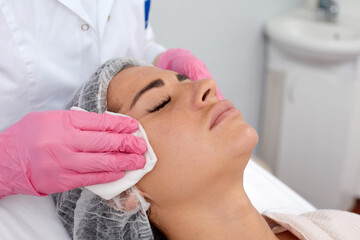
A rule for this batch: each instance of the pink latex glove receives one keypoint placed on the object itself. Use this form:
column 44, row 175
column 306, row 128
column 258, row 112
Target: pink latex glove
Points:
column 183, row 62
column 55, row 151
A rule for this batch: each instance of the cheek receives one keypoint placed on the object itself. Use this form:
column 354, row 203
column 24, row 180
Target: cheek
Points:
column 176, row 175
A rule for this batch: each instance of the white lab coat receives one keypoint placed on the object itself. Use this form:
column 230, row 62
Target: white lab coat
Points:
column 49, row 47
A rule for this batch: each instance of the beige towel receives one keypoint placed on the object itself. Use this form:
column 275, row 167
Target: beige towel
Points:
column 317, row 225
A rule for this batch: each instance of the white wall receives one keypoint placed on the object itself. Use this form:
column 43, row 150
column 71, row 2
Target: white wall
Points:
column 227, row 36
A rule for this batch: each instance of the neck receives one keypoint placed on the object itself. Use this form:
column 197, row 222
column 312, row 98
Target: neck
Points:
column 228, row 216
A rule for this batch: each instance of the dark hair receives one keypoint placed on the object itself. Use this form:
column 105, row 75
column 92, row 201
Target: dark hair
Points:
column 158, row 235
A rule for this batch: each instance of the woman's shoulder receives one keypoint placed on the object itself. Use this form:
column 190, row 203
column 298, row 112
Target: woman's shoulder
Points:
column 318, row 224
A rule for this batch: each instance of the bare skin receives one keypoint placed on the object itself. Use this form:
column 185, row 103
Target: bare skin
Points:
column 196, row 188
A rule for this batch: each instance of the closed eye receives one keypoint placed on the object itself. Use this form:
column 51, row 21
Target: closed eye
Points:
column 161, row 105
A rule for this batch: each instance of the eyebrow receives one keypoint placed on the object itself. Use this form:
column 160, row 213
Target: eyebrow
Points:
column 181, row 77
column 154, row 84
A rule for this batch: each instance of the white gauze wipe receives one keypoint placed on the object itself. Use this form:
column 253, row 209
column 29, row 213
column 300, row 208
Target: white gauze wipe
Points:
column 112, row 189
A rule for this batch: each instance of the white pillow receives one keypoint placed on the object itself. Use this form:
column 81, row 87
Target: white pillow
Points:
column 268, row 193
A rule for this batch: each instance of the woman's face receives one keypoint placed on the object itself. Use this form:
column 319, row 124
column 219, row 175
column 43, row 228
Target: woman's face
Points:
column 195, row 144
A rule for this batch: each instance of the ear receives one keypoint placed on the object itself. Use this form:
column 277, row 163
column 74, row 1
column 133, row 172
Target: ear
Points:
column 126, row 201
column 130, row 202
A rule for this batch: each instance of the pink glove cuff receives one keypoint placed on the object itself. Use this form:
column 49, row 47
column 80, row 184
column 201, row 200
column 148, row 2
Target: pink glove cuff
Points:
column 9, row 179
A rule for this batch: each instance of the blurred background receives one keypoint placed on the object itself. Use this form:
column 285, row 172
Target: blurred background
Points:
column 292, row 68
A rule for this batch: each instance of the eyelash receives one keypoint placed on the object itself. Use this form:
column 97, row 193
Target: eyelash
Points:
column 161, row 105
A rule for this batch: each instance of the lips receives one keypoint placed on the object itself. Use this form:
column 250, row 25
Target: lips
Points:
column 220, row 112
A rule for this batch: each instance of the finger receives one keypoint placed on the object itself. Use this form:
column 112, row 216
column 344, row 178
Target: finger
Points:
column 102, row 122
column 88, row 179
column 104, row 162
column 108, row 142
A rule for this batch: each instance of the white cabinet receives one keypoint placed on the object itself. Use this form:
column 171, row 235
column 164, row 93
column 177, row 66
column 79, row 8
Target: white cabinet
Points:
column 310, row 136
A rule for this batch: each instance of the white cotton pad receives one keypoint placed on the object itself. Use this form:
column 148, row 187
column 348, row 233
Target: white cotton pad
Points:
column 112, row 189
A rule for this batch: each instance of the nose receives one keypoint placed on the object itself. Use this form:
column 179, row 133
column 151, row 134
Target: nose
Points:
column 204, row 92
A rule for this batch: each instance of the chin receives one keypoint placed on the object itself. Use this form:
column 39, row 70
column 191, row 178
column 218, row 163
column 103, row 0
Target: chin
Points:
column 252, row 137
column 245, row 139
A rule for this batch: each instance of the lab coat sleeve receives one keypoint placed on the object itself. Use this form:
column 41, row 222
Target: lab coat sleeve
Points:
column 152, row 49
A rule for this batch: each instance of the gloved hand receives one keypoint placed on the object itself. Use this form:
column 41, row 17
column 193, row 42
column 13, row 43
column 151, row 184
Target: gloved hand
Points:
column 182, row 61
column 55, row 151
